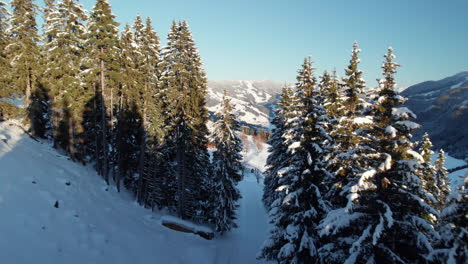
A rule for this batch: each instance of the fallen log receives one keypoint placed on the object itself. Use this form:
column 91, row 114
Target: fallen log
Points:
column 187, row 227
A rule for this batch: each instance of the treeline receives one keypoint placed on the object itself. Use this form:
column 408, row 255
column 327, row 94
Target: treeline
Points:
column 121, row 102
column 345, row 183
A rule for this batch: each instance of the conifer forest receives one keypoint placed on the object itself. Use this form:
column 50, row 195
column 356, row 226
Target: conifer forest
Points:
column 345, row 181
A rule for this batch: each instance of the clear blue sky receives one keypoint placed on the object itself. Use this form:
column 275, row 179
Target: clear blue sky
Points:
column 261, row 39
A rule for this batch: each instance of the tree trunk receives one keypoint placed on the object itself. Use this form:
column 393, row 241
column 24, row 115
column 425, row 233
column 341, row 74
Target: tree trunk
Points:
column 141, row 161
column 180, row 177
column 71, row 142
column 103, row 124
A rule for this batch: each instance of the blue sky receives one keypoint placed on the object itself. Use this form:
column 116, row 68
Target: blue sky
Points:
column 260, row 39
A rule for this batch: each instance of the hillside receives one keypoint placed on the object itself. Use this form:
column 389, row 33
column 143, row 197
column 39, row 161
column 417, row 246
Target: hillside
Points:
column 95, row 224
column 442, row 110
column 252, row 100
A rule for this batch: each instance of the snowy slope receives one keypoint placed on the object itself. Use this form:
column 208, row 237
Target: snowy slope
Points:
column 252, row 100
column 442, row 110
column 95, row 224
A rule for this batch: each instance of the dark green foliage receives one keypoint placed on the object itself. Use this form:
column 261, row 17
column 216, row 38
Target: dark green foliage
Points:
column 23, row 53
column 102, row 76
column 64, row 38
column 184, row 84
column 4, row 41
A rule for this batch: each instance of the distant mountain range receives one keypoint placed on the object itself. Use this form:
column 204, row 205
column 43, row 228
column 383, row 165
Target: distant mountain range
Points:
column 253, row 100
column 442, row 110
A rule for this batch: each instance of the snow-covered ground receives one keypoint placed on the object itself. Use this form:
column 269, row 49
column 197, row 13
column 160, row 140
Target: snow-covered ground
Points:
column 95, row 224
column 456, row 178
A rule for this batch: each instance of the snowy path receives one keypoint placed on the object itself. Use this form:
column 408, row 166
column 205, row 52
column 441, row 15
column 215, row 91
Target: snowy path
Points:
column 95, row 224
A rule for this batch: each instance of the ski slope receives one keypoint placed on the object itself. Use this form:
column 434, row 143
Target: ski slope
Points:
column 95, row 224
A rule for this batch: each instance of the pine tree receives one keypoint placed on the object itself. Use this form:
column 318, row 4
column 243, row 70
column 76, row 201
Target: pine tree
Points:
column 428, row 171
column 346, row 106
column 387, row 218
column 4, row 65
column 23, row 53
column 300, row 205
column 441, row 178
column 102, row 76
column 129, row 128
column 185, row 83
column 452, row 247
column 277, row 158
column 334, row 96
column 64, row 37
column 153, row 165
column 354, row 82
column 147, row 42
column 227, row 168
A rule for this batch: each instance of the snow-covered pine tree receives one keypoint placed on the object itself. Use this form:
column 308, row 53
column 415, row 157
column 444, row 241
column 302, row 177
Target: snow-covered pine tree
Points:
column 278, row 149
column 64, row 37
column 4, row 65
column 186, row 142
column 226, row 168
column 346, row 106
column 441, row 178
column 147, row 43
column 333, row 96
column 102, row 76
column 300, row 205
column 452, row 247
column 129, row 129
column 387, row 218
column 24, row 55
column 354, row 83
column 428, row 173
column 154, row 162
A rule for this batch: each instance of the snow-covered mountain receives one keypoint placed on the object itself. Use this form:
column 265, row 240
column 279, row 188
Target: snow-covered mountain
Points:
column 253, row 100
column 442, row 110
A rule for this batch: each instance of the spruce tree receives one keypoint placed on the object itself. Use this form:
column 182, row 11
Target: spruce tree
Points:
column 4, row 41
column 227, row 168
column 300, row 205
column 64, row 37
column 428, row 173
column 334, row 95
column 452, row 247
column 186, row 87
column 23, row 53
column 387, row 218
column 102, row 76
column 277, row 158
column 345, row 103
column 441, row 178
column 129, row 129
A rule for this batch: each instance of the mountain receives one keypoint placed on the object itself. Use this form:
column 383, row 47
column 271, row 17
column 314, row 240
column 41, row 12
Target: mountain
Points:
column 253, row 100
column 442, row 110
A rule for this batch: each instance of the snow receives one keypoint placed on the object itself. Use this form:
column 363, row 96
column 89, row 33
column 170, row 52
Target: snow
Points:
column 408, row 125
column 458, row 84
column 94, row 223
column 363, row 120
column 403, row 112
column 455, row 178
column 391, row 131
